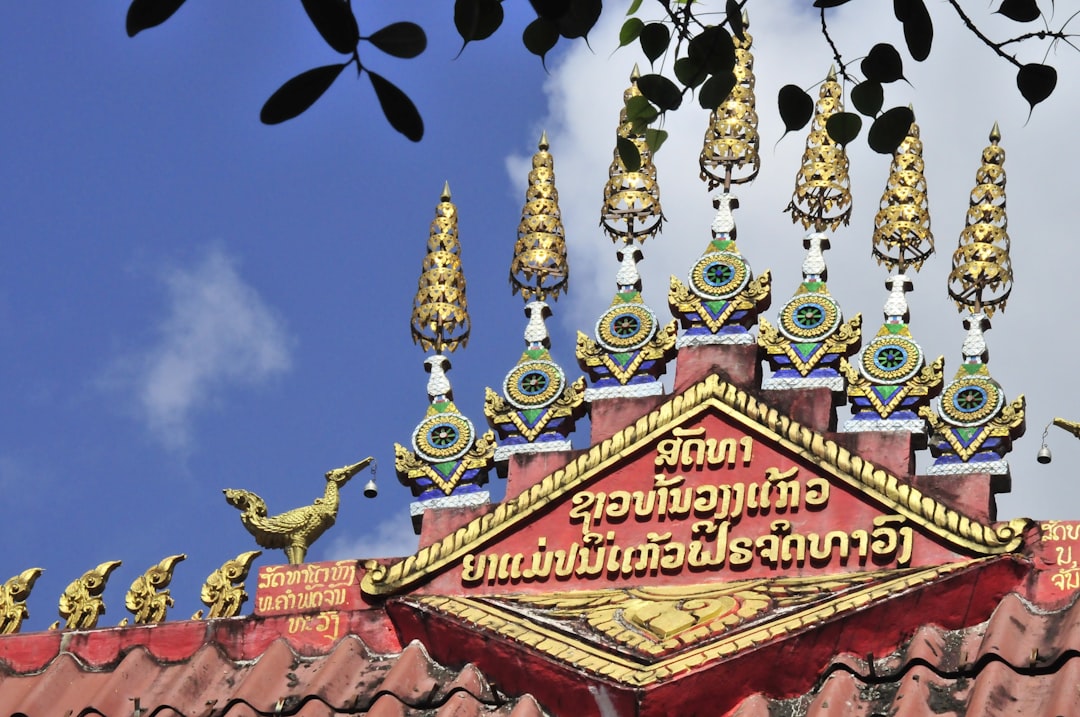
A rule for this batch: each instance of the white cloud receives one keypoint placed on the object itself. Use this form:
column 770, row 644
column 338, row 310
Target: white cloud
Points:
column 218, row 333
column 391, row 538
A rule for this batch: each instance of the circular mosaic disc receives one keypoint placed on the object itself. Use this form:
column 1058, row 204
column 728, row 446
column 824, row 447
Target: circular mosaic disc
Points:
column 809, row 317
column 891, row 359
column 443, row 437
column 719, row 275
column 970, row 401
column 625, row 327
column 534, row 384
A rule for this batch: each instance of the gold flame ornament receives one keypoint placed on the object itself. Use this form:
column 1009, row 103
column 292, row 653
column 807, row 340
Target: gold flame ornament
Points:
column 822, row 197
column 223, row 592
column 440, row 315
column 902, row 236
column 149, row 599
column 731, row 140
column 13, row 596
column 981, row 277
column 81, row 605
column 539, row 269
column 631, row 209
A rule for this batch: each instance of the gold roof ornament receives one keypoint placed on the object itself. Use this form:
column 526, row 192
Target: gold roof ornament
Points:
column 731, row 140
column 149, row 599
column 539, row 269
column 981, row 277
column 13, row 596
column 631, row 209
column 902, row 236
column 822, row 197
column 223, row 592
column 81, row 605
column 440, row 315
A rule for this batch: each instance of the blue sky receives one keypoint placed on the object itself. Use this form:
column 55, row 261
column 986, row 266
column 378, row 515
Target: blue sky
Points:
column 190, row 300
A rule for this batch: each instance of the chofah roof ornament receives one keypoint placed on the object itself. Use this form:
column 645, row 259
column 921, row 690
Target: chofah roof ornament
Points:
column 449, row 461
column 973, row 425
column 722, row 299
column 822, row 197
column 890, row 381
column 538, row 407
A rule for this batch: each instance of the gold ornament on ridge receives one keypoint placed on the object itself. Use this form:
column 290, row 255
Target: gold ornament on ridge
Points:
column 981, row 277
column 149, row 599
column 731, row 140
column 223, row 592
column 13, row 596
column 81, row 605
column 822, row 197
column 631, row 199
column 902, row 236
column 440, row 315
column 539, row 269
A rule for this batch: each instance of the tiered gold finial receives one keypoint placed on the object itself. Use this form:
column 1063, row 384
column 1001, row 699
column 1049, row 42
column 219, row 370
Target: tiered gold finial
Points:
column 440, row 316
column 822, row 197
column 902, row 236
column 149, row 599
column 13, row 595
column 981, row 277
column 539, row 269
column 81, row 605
column 631, row 199
column 223, row 592
column 731, row 140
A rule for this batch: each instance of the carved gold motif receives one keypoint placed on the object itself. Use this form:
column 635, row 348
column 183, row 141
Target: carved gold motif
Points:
column 926, row 382
column 223, row 592
column 149, row 599
column 13, row 595
column 902, row 236
column 440, row 315
column 479, row 455
column 844, row 341
column 539, row 269
column 81, row 604
column 683, row 301
column 296, row 530
column 708, row 396
column 1007, row 424
column 498, row 410
column 731, row 140
column 658, row 348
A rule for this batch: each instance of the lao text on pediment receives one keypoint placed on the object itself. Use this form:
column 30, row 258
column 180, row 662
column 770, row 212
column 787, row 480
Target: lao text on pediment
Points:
column 712, row 485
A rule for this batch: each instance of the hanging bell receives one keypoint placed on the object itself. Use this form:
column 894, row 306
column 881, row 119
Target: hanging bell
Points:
column 1043, row 456
column 371, row 490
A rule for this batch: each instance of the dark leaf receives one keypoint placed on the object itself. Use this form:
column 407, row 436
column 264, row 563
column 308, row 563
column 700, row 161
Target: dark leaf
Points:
column 918, row 29
column 843, row 127
column 867, row 97
column 401, row 39
column 335, row 22
column 299, row 93
column 628, row 153
column 889, row 130
column 477, row 19
column 883, row 64
column 400, row 111
column 654, row 40
column 901, row 9
column 550, row 9
column 634, row 6
column 796, row 107
column 734, row 19
column 144, row 14
column 639, row 109
column 829, row 3
column 715, row 90
column 540, row 36
column 713, row 49
column 630, row 31
column 689, row 72
column 580, row 18
column 1020, row 10
column 1036, row 82
column 655, row 138
column 661, row 91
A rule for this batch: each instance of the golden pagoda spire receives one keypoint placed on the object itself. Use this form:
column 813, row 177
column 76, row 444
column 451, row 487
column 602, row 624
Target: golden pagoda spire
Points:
column 731, row 140
column 902, row 236
column 631, row 199
column 822, row 197
column 539, row 269
column 440, row 315
column 981, row 277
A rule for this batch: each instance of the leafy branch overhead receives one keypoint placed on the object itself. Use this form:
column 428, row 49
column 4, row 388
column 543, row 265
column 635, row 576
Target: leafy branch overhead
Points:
column 700, row 44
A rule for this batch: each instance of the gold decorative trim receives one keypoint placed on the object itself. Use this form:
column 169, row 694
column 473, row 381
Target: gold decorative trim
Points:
column 711, row 393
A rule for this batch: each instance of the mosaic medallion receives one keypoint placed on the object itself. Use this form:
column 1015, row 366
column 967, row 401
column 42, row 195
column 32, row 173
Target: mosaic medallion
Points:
column 809, row 317
column 443, row 437
column 534, row 384
column 892, row 359
column 719, row 275
column 625, row 327
column 970, row 401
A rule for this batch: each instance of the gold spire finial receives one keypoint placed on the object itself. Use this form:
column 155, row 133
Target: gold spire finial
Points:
column 981, row 277
column 440, row 315
column 731, row 140
column 635, row 73
column 543, row 145
column 539, row 269
column 822, row 197
column 902, row 236
column 445, row 196
column 631, row 199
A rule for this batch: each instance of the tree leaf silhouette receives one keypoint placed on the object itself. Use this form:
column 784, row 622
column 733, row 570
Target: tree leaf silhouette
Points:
column 400, row 111
column 299, row 93
column 335, row 22
column 144, row 14
column 400, row 39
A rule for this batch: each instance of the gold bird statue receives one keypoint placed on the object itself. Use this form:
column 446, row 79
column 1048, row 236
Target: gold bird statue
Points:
column 296, row 530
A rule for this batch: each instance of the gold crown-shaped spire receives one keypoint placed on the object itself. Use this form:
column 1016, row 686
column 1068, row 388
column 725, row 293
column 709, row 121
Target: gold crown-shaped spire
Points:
column 902, row 236
column 440, row 315
column 539, row 269
column 822, row 197
column 631, row 199
column 981, row 277
column 731, row 140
